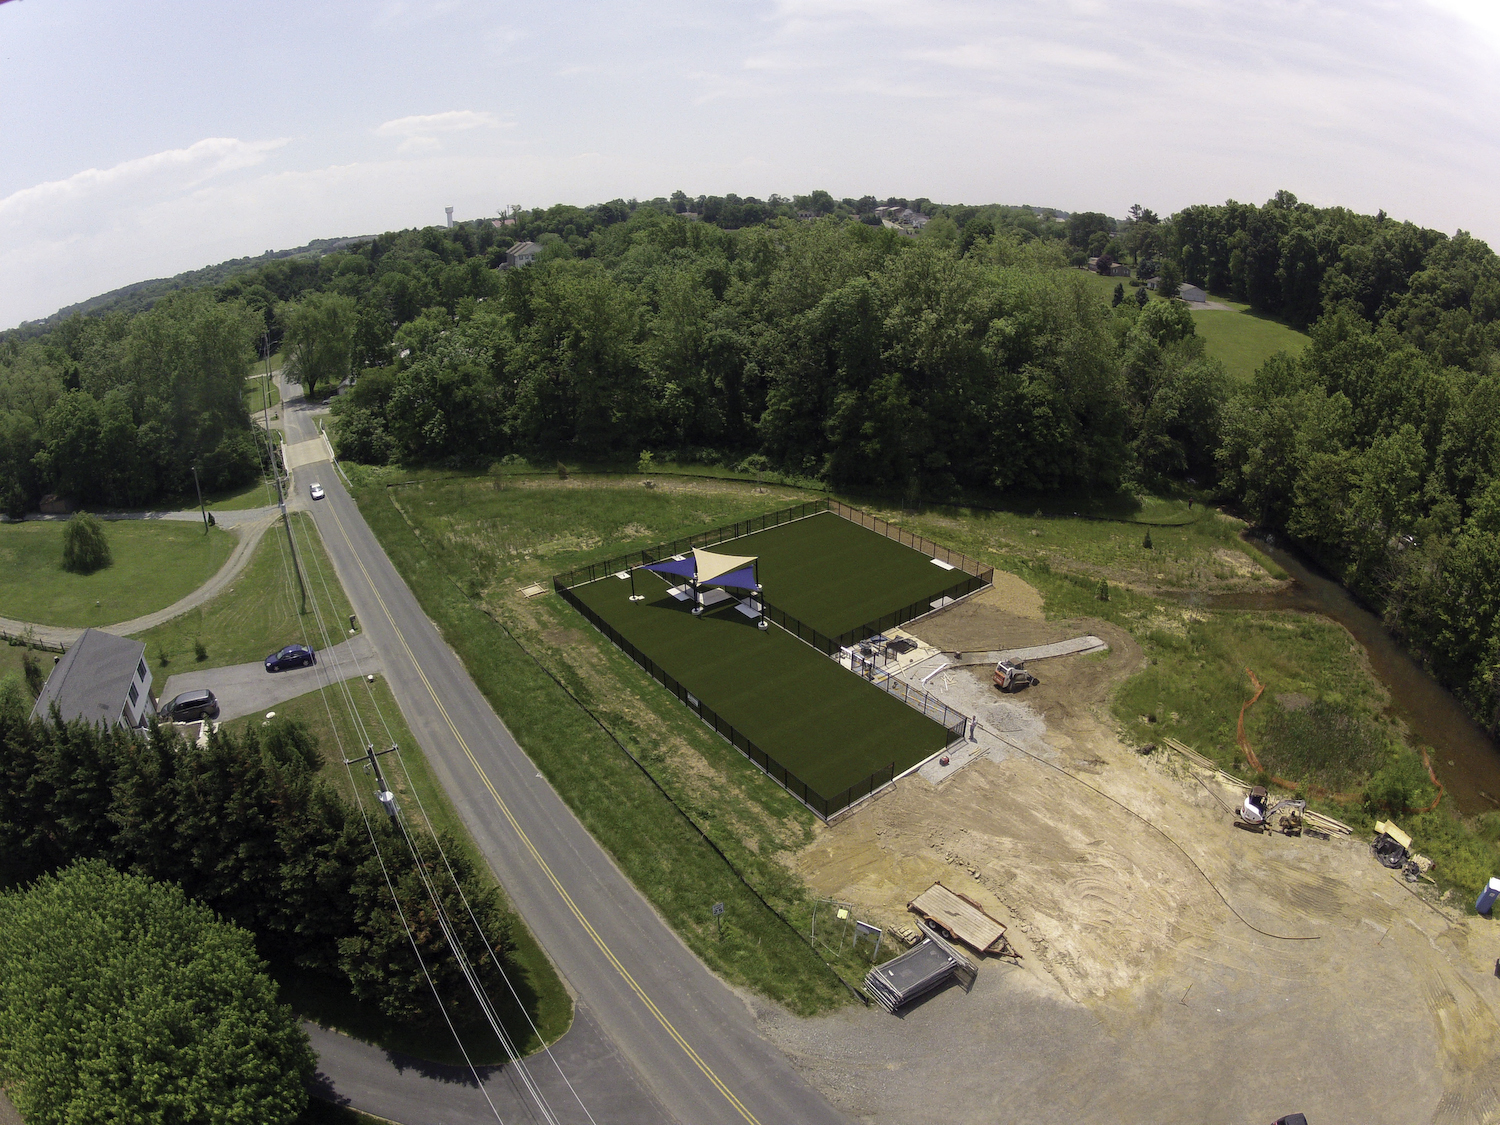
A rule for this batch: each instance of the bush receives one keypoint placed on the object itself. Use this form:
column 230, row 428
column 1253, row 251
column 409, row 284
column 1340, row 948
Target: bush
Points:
column 200, row 650
column 123, row 1000
column 1400, row 786
column 1146, row 542
column 85, row 548
column 236, row 460
column 1103, row 592
column 32, row 668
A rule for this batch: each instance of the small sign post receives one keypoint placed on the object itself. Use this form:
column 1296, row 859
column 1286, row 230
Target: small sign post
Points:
column 719, row 918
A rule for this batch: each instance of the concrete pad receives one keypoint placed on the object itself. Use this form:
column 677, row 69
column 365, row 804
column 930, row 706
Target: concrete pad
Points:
column 302, row 453
column 248, row 689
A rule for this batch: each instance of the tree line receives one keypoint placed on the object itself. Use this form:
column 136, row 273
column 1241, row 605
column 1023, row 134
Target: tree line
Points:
column 118, row 411
column 966, row 358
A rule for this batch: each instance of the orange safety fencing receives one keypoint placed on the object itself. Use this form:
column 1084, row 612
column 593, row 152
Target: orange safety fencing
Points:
column 1316, row 790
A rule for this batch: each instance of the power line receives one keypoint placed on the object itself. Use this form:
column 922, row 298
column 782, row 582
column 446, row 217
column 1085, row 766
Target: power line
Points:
column 445, row 922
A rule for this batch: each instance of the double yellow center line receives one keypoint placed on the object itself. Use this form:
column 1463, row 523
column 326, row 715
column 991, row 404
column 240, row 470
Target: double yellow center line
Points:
column 552, row 878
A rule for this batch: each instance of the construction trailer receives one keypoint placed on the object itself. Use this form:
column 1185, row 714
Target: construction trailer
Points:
column 959, row 917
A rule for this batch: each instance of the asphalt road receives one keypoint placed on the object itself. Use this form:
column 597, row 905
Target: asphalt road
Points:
column 662, row 1021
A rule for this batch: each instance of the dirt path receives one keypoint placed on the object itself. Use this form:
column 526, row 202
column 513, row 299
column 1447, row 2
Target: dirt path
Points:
column 249, row 532
column 1188, row 971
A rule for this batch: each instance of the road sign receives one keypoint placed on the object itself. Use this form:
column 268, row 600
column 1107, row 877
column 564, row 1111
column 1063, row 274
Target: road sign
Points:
column 718, row 909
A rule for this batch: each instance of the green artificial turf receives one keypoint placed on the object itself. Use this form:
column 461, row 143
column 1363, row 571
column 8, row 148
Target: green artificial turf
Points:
column 835, row 575
column 817, row 719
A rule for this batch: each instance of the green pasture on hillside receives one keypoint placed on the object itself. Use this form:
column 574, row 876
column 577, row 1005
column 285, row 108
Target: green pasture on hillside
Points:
column 1243, row 340
column 835, row 575
column 821, row 722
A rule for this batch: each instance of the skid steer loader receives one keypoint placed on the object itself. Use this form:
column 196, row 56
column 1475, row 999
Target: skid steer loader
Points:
column 1012, row 676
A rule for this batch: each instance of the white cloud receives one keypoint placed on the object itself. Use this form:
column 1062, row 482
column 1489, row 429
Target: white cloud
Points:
column 422, row 132
column 177, row 169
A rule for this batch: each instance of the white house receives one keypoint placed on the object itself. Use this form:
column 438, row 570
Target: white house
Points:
column 522, row 254
column 102, row 678
column 1192, row 293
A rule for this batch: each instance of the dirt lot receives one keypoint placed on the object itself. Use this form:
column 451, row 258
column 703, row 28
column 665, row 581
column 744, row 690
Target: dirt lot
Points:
column 1177, row 970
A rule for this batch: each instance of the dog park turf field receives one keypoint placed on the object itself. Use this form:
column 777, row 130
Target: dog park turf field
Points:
column 822, row 723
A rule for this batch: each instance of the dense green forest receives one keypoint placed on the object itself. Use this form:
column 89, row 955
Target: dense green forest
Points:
column 948, row 358
column 247, row 827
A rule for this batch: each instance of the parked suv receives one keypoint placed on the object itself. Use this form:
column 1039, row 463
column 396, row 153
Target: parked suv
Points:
column 190, row 705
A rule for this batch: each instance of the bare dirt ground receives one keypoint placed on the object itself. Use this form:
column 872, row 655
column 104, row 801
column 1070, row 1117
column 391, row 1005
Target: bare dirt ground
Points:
column 1186, row 972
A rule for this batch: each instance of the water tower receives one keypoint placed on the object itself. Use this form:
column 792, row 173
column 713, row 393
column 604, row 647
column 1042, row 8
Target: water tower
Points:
column 449, row 211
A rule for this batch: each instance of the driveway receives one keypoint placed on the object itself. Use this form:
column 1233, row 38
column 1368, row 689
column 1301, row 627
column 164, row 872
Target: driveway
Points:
column 248, row 689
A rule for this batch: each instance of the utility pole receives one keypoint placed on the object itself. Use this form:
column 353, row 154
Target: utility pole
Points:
column 386, row 798
column 199, row 490
column 286, row 520
column 265, row 400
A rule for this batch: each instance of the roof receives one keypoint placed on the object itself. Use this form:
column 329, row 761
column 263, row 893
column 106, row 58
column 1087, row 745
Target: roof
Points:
column 92, row 680
column 713, row 565
column 960, row 915
column 525, row 248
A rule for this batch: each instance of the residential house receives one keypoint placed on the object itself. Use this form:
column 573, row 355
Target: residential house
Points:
column 522, row 254
column 1192, row 293
column 1119, row 269
column 102, row 678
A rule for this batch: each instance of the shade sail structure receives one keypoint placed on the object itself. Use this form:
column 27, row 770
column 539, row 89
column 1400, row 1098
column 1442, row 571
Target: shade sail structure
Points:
column 708, row 568
column 711, row 565
column 686, row 567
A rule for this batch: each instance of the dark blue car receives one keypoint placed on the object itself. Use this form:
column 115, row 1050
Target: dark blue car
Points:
column 293, row 656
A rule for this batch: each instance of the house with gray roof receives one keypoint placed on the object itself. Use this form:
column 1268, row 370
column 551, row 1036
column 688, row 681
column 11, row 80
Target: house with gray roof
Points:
column 522, row 254
column 102, row 678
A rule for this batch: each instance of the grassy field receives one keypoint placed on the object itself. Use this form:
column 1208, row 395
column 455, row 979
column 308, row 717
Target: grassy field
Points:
column 823, row 724
column 255, row 394
column 259, row 613
column 156, row 562
column 1192, row 548
column 1243, row 340
column 259, row 493
column 466, row 547
column 1240, row 339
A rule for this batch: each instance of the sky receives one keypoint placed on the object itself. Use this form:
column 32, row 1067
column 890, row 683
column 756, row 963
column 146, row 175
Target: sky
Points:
column 141, row 140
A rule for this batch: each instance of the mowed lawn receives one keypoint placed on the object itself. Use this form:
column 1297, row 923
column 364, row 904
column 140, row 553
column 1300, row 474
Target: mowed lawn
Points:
column 820, row 721
column 261, row 611
column 155, row 562
column 1243, row 341
column 835, row 575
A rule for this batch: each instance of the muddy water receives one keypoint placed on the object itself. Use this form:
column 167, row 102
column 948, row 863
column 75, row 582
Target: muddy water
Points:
column 1465, row 758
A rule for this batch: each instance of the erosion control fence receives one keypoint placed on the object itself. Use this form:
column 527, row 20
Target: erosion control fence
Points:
column 823, row 806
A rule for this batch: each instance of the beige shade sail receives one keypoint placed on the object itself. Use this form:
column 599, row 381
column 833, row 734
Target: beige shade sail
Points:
column 711, row 565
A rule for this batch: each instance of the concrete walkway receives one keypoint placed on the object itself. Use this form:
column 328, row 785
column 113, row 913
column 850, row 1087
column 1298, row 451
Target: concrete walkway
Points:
column 248, row 689
column 249, row 532
column 1071, row 647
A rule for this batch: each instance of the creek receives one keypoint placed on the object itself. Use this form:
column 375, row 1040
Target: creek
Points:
column 1464, row 757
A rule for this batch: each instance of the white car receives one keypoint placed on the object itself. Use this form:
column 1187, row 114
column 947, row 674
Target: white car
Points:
column 316, row 490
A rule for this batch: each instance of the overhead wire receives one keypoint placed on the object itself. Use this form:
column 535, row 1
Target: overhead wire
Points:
column 364, row 815
column 467, row 969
